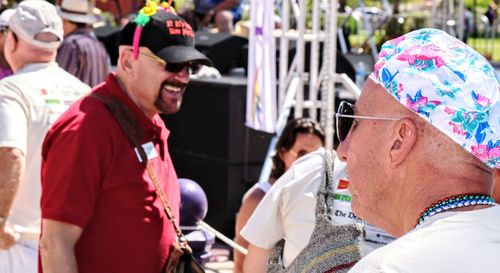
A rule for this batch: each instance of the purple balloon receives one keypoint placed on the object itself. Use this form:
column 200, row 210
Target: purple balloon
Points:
column 194, row 204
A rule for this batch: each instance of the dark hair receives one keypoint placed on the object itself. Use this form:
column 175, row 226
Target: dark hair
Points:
column 80, row 25
column 288, row 137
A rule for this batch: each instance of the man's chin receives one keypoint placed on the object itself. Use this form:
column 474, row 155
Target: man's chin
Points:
column 167, row 103
column 169, row 108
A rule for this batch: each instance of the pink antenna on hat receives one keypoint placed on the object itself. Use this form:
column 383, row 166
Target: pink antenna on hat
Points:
column 143, row 18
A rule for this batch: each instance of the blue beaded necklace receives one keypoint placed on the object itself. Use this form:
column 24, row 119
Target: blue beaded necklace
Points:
column 456, row 201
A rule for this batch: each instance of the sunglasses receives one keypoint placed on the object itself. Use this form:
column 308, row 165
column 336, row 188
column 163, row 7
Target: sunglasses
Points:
column 4, row 30
column 345, row 119
column 192, row 67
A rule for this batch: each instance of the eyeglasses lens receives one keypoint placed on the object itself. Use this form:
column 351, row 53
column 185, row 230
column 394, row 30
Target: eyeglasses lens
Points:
column 193, row 68
column 4, row 30
column 344, row 124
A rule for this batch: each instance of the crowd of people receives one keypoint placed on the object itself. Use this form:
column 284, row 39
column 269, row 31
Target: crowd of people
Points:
column 80, row 53
column 220, row 14
column 91, row 184
column 85, row 169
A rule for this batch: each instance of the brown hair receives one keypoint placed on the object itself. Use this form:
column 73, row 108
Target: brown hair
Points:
column 288, row 137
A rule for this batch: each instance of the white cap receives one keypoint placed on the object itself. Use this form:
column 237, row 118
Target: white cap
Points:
column 33, row 17
column 5, row 17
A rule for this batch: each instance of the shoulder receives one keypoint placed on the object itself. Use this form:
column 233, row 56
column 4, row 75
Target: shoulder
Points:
column 88, row 115
column 313, row 159
column 79, row 43
column 391, row 258
column 49, row 75
column 14, row 80
column 26, row 85
column 68, row 45
column 304, row 170
column 249, row 204
column 374, row 264
column 86, row 124
column 253, row 198
column 65, row 77
column 81, row 40
column 10, row 84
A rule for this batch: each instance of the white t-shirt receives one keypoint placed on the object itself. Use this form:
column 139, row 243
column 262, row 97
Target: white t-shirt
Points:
column 288, row 209
column 30, row 101
column 459, row 242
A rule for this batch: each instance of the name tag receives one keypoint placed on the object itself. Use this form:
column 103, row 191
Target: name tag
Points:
column 149, row 149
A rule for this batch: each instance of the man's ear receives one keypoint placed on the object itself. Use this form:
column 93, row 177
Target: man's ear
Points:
column 405, row 137
column 126, row 58
column 10, row 42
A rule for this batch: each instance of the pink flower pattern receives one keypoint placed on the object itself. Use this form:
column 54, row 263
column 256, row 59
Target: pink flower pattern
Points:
column 429, row 71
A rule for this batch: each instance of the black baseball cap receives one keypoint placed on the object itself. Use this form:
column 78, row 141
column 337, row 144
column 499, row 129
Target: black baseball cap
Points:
column 168, row 36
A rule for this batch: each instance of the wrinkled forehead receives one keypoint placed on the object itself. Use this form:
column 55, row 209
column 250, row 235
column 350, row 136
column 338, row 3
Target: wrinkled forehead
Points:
column 375, row 99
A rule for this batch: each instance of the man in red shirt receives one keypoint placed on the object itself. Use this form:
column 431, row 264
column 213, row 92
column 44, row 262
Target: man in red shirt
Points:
column 99, row 207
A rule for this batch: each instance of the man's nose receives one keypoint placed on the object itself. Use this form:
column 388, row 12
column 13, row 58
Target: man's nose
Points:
column 184, row 74
column 342, row 150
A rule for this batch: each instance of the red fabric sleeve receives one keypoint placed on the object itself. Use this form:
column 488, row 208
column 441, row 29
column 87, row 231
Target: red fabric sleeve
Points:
column 73, row 165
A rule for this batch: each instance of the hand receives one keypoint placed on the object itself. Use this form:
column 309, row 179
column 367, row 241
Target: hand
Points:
column 8, row 237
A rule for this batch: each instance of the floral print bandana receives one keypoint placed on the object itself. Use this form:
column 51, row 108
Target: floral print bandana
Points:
column 448, row 84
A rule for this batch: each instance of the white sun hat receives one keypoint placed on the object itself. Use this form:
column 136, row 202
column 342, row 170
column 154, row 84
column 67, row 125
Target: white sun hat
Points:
column 78, row 11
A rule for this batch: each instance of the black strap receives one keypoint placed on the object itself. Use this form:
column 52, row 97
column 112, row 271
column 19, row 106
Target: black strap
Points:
column 131, row 129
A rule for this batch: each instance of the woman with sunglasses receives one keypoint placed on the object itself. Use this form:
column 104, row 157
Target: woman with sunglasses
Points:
column 300, row 136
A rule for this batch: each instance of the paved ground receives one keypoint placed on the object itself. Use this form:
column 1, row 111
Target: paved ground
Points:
column 220, row 261
column 219, row 267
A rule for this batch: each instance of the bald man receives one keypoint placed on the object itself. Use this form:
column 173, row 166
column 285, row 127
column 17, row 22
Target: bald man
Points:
column 420, row 145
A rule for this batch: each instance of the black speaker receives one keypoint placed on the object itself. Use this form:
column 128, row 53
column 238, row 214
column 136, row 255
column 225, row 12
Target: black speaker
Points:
column 210, row 144
column 343, row 65
column 223, row 49
column 224, row 184
column 107, row 36
column 211, row 122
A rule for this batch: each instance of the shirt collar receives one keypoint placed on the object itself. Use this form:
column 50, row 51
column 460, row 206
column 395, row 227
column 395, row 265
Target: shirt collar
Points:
column 36, row 66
